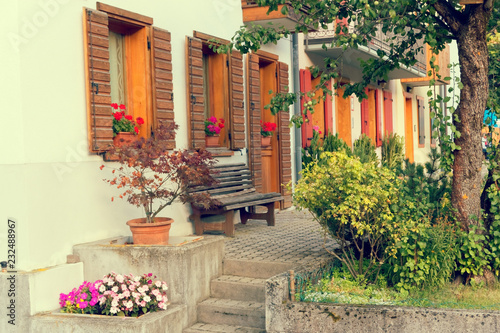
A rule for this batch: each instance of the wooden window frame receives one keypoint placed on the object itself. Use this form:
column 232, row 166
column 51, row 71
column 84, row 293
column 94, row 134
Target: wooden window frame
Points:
column 155, row 73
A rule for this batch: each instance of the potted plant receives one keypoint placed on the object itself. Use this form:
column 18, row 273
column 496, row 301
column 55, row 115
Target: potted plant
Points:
column 266, row 130
column 153, row 178
column 212, row 131
column 125, row 129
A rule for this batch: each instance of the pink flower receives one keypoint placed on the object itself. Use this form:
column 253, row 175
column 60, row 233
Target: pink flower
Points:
column 213, row 120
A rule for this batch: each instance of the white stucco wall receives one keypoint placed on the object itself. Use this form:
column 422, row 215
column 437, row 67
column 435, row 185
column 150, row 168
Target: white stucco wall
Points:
column 50, row 184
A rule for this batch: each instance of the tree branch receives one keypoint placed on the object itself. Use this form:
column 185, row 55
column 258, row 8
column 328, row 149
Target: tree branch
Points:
column 451, row 16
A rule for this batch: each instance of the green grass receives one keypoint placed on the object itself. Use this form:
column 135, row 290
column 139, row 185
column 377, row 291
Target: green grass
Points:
column 342, row 290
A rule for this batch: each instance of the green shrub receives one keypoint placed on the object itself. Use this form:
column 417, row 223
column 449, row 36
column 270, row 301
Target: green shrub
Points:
column 351, row 202
column 330, row 143
column 393, row 151
column 365, row 150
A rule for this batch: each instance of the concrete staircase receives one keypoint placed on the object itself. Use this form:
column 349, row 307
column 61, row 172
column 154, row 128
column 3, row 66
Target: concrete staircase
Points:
column 237, row 302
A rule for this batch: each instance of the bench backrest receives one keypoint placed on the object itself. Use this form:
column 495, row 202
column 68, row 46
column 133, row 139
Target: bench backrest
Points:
column 231, row 179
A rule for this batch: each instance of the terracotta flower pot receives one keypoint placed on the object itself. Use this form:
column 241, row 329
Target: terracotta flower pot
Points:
column 212, row 141
column 155, row 233
column 124, row 138
column 266, row 141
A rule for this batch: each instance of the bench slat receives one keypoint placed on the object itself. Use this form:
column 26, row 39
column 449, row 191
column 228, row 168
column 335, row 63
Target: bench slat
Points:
column 232, row 199
column 254, row 203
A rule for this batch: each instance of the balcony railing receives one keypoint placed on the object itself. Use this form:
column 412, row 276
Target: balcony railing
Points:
column 381, row 41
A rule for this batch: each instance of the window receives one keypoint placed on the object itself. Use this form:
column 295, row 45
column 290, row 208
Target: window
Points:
column 215, row 88
column 421, row 122
column 128, row 61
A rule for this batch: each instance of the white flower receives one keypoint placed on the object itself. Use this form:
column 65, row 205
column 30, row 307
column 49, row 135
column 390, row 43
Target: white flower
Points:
column 137, row 278
column 159, row 297
column 158, row 284
column 129, row 304
column 164, row 287
column 120, row 296
column 147, row 298
column 115, row 289
column 102, row 288
column 110, row 282
column 113, row 310
column 114, row 302
column 119, row 278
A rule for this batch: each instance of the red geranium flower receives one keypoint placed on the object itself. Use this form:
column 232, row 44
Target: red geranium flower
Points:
column 139, row 121
column 136, row 130
column 114, row 106
column 122, row 107
column 118, row 115
column 129, row 117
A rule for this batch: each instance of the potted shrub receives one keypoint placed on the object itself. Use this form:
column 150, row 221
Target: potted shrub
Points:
column 212, row 131
column 266, row 130
column 153, row 178
column 125, row 128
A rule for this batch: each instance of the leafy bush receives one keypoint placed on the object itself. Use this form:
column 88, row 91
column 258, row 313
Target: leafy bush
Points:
column 351, row 202
column 365, row 150
column 330, row 143
column 393, row 151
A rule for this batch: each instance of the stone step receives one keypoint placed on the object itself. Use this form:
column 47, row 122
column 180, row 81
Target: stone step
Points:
column 212, row 328
column 255, row 269
column 230, row 312
column 238, row 288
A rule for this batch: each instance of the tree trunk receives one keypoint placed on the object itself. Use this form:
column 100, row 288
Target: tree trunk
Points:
column 473, row 56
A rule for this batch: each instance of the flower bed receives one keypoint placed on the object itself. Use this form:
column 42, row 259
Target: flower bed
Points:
column 117, row 295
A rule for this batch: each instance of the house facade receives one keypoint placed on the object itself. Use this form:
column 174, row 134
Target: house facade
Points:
column 65, row 62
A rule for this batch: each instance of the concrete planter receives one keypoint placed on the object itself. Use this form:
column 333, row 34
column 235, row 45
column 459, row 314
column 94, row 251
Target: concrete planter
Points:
column 282, row 315
column 168, row 321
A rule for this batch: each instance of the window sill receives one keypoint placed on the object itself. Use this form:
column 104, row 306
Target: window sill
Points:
column 421, row 146
column 220, row 152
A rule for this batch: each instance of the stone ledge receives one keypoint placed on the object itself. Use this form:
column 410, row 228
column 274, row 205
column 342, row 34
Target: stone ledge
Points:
column 168, row 321
column 282, row 315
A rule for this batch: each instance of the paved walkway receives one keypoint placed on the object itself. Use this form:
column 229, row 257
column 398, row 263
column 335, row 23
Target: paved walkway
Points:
column 296, row 238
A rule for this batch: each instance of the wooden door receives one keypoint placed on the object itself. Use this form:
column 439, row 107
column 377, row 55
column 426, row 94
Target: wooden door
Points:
column 343, row 116
column 409, row 130
column 372, row 116
column 270, row 155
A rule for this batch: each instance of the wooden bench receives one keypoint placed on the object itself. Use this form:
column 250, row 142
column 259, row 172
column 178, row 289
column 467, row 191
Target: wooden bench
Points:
column 233, row 191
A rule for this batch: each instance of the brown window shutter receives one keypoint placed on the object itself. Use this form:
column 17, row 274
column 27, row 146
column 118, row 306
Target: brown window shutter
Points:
column 195, row 100
column 284, row 138
column 163, row 102
column 254, row 116
column 236, row 101
column 98, row 88
column 421, row 123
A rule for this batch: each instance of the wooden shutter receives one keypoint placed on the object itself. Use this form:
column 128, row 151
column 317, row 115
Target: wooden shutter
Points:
column 97, row 80
column 284, row 138
column 236, row 101
column 328, row 110
column 254, row 116
column 195, row 99
column 365, row 121
column 306, row 86
column 378, row 119
column 388, row 127
column 163, row 102
column 421, row 123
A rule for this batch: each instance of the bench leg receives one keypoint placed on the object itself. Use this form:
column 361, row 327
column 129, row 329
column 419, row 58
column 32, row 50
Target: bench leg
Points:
column 198, row 224
column 229, row 224
column 244, row 215
column 270, row 214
